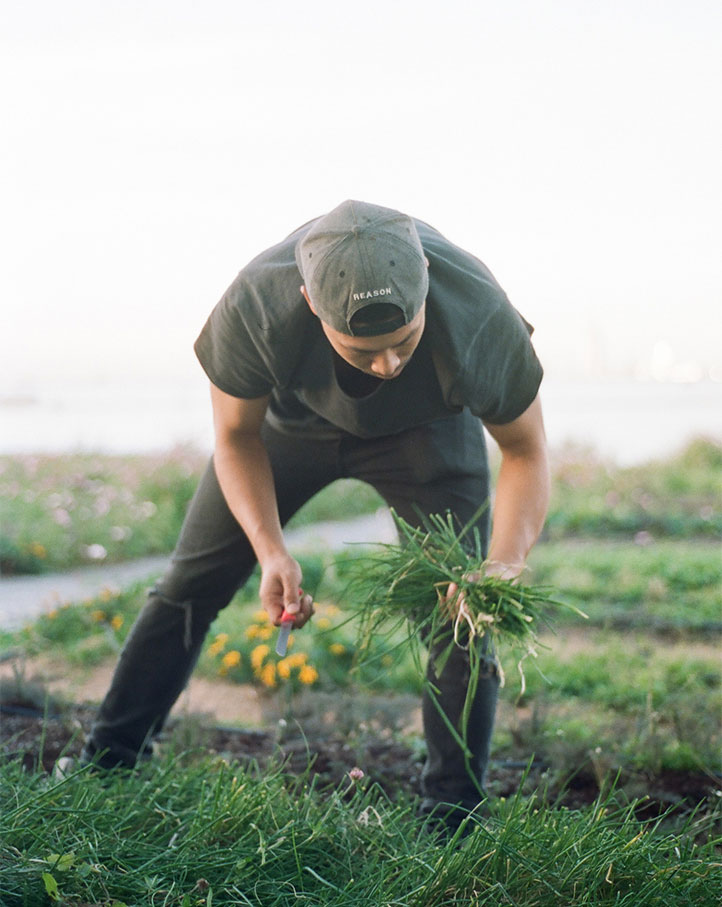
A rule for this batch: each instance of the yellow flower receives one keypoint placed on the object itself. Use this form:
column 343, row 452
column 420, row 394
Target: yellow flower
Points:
column 323, row 623
column 232, row 659
column 337, row 648
column 98, row 616
column 284, row 669
column 117, row 622
column 38, row 550
column 268, row 675
column 215, row 648
column 106, row 594
column 308, row 675
column 252, row 631
column 52, row 614
column 297, row 660
column 264, row 632
column 260, row 616
column 222, row 638
column 257, row 656
column 332, row 610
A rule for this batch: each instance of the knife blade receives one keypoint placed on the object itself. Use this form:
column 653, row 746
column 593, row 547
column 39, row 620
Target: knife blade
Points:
column 285, row 631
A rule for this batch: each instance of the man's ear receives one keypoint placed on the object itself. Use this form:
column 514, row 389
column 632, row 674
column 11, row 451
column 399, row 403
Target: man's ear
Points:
column 305, row 296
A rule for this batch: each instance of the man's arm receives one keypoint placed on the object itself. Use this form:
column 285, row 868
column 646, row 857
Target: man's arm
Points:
column 522, row 491
column 244, row 474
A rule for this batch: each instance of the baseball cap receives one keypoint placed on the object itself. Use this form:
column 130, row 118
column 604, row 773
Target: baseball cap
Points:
column 359, row 255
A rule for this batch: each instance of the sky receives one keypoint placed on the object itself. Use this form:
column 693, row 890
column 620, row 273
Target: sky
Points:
column 150, row 149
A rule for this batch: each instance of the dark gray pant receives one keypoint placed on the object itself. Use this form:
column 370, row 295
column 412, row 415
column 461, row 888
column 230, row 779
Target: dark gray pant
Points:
column 437, row 467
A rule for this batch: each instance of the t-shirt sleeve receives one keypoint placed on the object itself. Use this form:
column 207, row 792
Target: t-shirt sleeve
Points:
column 502, row 374
column 228, row 350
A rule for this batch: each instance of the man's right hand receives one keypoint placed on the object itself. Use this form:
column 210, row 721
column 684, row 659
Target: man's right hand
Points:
column 281, row 591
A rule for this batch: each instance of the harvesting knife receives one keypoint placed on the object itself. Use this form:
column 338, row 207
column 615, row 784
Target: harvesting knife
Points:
column 285, row 631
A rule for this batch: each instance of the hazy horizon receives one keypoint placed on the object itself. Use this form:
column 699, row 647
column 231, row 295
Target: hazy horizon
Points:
column 153, row 149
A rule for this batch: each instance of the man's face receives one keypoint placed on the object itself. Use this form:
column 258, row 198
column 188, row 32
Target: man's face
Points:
column 383, row 356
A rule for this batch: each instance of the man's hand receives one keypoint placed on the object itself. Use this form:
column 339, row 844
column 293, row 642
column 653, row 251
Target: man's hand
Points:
column 281, row 590
column 453, row 601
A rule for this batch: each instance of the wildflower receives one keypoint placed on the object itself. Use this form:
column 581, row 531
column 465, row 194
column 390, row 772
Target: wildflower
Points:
column 107, row 593
column 258, row 655
column 62, row 517
column 52, row 614
column 252, row 631
column 284, row 669
column 264, row 632
column 117, row 622
column 332, row 610
column 222, row 638
column 120, row 533
column 260, row 616
column 95, row 552
column 38, row 550
column 268, row 675
column 356, row 773
column 98, row 616
column 297, row 660
column 232, row 659
column 308, row 675
column 215, row 648
column 337, row 648
column 323, row 623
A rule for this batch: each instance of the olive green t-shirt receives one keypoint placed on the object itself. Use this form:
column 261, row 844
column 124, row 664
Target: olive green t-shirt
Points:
column 475, row 352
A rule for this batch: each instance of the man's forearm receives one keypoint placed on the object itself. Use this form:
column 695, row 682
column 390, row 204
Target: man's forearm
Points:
column 244, row 474
column 520, row 506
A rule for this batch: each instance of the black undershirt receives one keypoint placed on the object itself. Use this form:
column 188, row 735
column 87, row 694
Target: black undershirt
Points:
column 352, row 381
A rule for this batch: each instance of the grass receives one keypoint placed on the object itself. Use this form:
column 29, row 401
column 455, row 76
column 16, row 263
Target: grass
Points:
column 672, row 585
column 63, row 511
column 192, row 830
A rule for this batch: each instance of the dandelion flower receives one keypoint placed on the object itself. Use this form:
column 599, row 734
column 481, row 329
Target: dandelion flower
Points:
column 258, row 655
column 308, row 675
column 232, row 659
column 98, row 616
column 260, row 616
column 52, row 614
column 252, row 631
column 323, row 623
column 222, row 638
column 215, row 648
column 284, row 669
column 117, row 622
column 297, row 660
column 268, row 675
column 264, row 632
column 337, row 648
column 38, row 550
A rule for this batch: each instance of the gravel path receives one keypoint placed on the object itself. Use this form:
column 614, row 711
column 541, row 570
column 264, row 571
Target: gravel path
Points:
column 24, row 597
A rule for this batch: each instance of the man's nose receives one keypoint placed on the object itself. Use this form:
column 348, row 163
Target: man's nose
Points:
column 384, row 364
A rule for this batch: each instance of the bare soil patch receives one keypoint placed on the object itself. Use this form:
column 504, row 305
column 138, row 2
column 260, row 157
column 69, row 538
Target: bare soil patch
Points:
column 324, row 734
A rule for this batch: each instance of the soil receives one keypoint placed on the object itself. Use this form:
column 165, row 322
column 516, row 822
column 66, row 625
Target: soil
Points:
column 328, row 735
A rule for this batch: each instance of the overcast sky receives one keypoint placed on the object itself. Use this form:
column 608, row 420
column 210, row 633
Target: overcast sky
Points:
column 150, row 149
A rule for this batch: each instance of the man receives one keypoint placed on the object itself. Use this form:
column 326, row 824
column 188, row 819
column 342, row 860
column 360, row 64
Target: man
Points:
column 363, row 345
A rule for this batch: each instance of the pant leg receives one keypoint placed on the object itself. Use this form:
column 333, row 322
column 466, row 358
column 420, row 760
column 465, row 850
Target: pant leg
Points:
column 433, row 469
column 212, row 559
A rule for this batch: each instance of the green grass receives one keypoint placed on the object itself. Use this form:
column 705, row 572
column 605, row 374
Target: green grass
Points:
column 670, row 584
column 192, row 831
column 676, row 497
column 62, row 511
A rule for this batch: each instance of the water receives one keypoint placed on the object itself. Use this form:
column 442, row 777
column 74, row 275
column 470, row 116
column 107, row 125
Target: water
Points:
column 626, row 421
